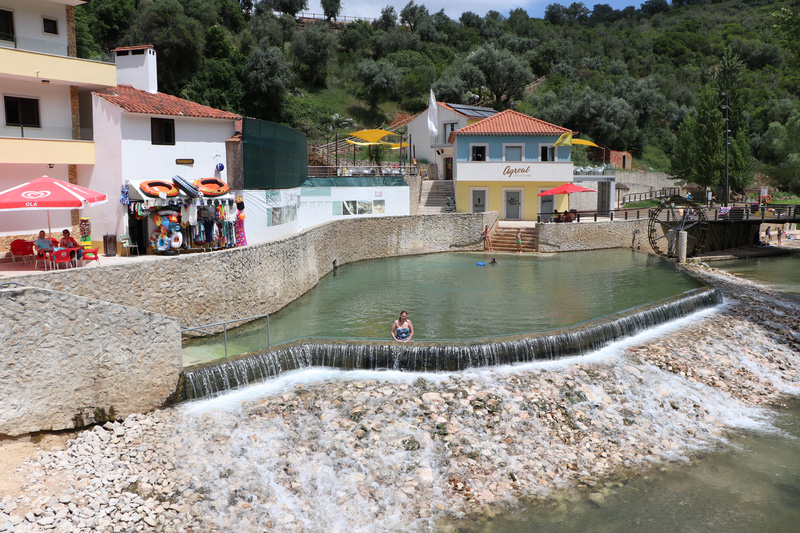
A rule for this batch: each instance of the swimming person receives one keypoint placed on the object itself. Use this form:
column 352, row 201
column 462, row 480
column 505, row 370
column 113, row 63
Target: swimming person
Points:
column 402, row 328
column 493, row 262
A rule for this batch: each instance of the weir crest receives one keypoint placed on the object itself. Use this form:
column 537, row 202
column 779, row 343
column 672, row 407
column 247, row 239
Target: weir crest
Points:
column 223, row 375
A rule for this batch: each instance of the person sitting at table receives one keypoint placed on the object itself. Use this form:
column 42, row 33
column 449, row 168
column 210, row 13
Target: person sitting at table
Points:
column 69, row 242
column 42, row 245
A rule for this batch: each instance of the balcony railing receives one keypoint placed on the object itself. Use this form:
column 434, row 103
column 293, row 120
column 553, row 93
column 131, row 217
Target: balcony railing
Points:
column 361, row 171
column 30, row 44
column 597, row 170
column 56, row 133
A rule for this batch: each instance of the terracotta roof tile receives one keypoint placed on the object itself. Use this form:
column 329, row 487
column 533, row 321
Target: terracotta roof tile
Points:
column 137, row 47
column 510, row 122
column 136, row 101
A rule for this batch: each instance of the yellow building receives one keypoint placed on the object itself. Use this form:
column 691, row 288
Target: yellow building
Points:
column 503, row 162
column 44, row 128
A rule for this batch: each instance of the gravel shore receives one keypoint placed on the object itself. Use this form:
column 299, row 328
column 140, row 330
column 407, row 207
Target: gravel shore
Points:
column 331, row 451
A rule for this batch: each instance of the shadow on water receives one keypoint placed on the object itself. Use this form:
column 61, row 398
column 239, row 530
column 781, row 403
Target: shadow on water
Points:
column 753, row 484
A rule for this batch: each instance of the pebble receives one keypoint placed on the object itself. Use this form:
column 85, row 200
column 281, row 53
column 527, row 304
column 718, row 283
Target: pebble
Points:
column 373, row 452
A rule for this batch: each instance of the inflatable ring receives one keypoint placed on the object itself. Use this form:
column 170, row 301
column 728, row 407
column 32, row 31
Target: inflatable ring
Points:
column 177, row 239
column 481, row 264
column 211, row 186
column 155, row 188
column 767, row 199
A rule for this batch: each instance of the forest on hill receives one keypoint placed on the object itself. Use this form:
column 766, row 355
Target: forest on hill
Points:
column 653, row 80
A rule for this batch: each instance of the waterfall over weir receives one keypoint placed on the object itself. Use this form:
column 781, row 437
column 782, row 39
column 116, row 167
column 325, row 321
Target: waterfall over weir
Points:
column 223, row 375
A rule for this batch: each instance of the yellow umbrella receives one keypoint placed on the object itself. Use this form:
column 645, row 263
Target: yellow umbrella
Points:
column 371, row 136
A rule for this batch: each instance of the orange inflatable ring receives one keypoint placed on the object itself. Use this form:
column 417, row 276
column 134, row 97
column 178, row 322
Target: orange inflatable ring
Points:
column 154, row 188
column 211, row 186
column 767, row 199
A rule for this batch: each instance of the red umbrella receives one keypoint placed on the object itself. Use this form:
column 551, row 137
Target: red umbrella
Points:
column 48, row 193
column 567, row 188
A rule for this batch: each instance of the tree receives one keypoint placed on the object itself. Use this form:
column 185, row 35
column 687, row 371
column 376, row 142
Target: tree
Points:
column 107, row 20
column 506, row 74
column 290, row 7
column 782, row 152
column 269, row 76
column 413, row 15
column 331, row 8
column 387, row 20
column 653, row 7
column 380, row 80
column 176, row 37
column 312, row 50
column 699, row 153
column 355, row 38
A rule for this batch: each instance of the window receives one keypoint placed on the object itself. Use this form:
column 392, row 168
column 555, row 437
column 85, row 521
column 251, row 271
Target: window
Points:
column 50, row 26
column 513, row 153
column 22, row 112
column 547, row 153
column 449, row 127
column 6, row 25
column 478, row 153
column 162, row 130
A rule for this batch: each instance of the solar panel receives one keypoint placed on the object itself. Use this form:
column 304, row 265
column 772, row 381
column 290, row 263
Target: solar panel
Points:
column 473, row 111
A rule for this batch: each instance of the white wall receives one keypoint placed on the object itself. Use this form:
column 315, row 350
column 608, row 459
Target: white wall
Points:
column 28, row 25
column 513, row 171
column 138, row 70
column 421, row 139
column 123, row 152
column 106, row 176
column 54, row 109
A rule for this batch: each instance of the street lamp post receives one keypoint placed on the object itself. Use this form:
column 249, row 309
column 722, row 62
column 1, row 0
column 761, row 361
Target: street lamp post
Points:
column 727, row 143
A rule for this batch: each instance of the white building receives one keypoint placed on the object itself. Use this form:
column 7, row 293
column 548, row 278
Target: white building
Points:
column 142, row 134
column 43, row 130
column 438, row 149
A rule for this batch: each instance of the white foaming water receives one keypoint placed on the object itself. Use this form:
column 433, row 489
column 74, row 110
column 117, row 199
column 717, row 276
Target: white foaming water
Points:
column 281, row 455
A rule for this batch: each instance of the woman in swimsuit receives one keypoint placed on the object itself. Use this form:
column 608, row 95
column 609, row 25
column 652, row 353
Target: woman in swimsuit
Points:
column 519, row 241
column 487, row 240
column 402, row 328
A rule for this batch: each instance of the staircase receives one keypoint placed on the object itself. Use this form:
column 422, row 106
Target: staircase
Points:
column 505, row 239
column 435, row 194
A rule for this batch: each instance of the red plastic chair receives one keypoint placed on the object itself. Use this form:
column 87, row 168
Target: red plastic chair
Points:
column 21, row 248
column 60, row 257
column 91, row 255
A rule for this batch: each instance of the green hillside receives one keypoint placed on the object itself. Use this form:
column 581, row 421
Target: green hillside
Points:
column 646, row 80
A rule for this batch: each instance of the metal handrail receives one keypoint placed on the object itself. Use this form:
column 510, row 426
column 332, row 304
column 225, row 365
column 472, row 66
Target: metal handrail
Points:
column 225, row 329
column 8, row 284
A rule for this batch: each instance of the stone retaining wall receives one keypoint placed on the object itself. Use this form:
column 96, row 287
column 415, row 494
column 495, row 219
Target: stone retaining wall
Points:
column 68, row 361
column 228, row 284
column 594, row 236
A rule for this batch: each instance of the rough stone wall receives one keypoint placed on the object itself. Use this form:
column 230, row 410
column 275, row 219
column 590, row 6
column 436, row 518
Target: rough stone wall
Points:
column 69, row 360
column 229, row 284
column 595, row 236
column 645, row 181
column 632, row 234
column 414, row 192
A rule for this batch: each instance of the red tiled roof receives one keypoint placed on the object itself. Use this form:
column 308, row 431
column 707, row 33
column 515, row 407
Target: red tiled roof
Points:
column 137, row 47
column 136, row 101
column 510, row 122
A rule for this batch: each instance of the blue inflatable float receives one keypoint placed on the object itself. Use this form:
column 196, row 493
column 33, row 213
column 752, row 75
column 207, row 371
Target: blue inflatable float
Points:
column 481, row 264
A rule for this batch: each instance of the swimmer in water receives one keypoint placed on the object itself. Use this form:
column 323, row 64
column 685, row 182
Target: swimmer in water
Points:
column 402, row 328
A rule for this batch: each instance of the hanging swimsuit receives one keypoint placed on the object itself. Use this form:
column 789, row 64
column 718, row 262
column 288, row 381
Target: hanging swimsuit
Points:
column 402, row 333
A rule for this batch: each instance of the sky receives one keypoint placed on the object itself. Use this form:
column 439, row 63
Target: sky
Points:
column 454, row 9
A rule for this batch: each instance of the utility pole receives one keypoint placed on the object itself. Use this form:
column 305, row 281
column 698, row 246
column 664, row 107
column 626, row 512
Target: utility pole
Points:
column 727, row 143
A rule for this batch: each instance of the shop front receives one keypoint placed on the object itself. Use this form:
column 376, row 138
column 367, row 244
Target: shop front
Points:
column 168, row 217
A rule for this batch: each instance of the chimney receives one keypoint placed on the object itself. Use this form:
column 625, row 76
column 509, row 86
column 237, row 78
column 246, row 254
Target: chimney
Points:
column 136, row 66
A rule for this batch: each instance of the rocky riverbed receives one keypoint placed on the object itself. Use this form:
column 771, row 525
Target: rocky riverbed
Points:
column 334, row 451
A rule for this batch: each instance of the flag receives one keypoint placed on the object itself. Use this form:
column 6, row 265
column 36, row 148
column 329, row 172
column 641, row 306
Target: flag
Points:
column 564, row 140
column 433, row 116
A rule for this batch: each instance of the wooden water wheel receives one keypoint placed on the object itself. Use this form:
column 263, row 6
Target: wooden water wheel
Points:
column 676, row 214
